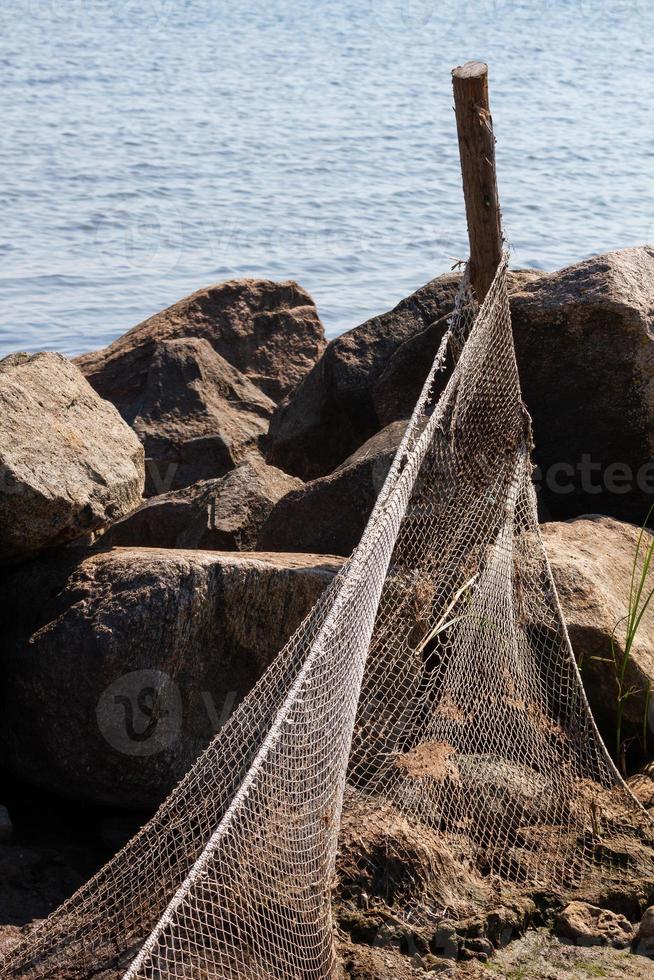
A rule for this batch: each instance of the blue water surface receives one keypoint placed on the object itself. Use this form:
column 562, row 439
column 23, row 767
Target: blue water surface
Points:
column 151, row 147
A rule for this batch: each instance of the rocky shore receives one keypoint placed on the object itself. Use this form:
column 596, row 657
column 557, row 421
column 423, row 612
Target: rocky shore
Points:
column 172, row 506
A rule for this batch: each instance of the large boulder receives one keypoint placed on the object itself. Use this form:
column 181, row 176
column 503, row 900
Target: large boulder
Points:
column 592, row 560
column 118, row 669
column 270, row 331
column 68, row 463
column 585, row 346
column 366, row 378
column 329, row 514
column 198, row 416
column 332, row 412
column 224, row 514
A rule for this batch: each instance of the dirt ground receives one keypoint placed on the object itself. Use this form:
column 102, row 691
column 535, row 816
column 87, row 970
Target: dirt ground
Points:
column 48, row 860
column 540, row 956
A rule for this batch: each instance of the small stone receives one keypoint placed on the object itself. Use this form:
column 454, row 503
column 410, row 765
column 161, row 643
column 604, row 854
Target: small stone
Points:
column 465, row 954
column 480, row 947
column 442, row 970
column 588, row 925
column 6, row 826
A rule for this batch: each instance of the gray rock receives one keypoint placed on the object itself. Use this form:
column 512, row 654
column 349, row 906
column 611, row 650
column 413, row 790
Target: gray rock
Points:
column 68, row 462
column 588, row 925
column 328, row 515
column 198, row 416
column 224, row 514
column 270, row 331
column 118, row 669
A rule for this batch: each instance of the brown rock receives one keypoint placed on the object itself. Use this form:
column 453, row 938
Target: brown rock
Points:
column 225, row 514
column 585, row 349
column 269, row 331
column 591, row 560
column 384, row 859
column 366, row 378
column 398, row 387
column 332, row 412
column 645, row 934
column 502, row 792
column 646, row 927
column 117, row 670
column 588, row 925
column 362, row 962
column 198, row 416
column 386, row 440
column 68, row 462
column 328, row 515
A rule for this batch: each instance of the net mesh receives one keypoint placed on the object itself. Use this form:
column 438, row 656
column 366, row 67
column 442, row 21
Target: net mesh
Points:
column 423, row 741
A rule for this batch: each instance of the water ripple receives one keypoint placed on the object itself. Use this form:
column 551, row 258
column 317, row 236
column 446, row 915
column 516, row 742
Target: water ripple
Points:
column 151, row 147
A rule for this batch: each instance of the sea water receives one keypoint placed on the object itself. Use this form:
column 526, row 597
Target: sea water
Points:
column 152, row 147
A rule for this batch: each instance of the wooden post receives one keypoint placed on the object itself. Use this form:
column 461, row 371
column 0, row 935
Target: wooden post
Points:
column 477, row 152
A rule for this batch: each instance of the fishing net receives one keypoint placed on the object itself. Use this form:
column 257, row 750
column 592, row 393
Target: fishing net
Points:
column 422, row 743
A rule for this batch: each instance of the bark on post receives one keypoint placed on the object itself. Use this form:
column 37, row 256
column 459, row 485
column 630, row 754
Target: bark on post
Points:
column 477, row 152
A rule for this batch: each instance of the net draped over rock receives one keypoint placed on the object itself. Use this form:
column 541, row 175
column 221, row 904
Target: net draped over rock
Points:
column 432, row 689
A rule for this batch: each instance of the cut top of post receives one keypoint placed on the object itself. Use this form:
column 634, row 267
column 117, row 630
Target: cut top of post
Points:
column 477, row 152
column 471, row 69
